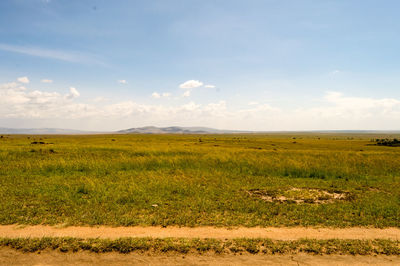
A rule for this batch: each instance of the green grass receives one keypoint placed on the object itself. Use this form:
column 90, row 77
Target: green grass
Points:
column 115, row 180
column 200, row 246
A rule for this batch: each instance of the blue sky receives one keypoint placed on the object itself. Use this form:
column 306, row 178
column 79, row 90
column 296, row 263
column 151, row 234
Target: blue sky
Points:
column 256, row 65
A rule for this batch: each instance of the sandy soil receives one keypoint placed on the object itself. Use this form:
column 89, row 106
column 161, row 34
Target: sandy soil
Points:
column 13, row 231
column 12, row 257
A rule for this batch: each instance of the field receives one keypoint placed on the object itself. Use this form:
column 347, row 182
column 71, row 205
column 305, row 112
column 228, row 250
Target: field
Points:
column 248, row 180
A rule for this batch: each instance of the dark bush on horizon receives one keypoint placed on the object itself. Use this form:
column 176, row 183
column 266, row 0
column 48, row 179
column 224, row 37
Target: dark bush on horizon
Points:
column 387, row 142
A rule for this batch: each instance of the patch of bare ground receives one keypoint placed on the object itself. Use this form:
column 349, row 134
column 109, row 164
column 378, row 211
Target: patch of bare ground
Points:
column 300, row 195
column 11, row 257
column 275, row 233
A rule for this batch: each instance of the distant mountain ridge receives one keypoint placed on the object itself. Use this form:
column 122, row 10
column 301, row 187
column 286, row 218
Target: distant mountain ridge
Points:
column 138, row 130
column 178, row 130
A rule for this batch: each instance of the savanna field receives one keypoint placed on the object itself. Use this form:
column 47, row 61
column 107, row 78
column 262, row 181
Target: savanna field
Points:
column 249, row 180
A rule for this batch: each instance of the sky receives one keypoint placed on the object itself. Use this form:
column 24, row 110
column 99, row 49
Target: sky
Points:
column 265, row 65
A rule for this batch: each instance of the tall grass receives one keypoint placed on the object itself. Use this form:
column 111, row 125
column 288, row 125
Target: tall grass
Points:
column 180, row 180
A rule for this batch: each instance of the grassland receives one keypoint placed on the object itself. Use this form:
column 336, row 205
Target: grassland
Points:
column 200, row 246
column 193, row 180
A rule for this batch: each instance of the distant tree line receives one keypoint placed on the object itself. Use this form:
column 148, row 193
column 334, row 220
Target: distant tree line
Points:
column 387, row 142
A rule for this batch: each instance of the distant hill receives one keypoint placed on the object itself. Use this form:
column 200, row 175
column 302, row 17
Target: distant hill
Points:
column 178, row 130
column 40, row 131
column 139, row 130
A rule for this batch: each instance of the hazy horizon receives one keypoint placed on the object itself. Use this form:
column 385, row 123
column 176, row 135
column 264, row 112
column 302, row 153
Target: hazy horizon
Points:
column 232, row 65
column 191, row 130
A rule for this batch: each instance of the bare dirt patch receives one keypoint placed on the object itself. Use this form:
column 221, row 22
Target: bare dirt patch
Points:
column 276, row 233
column 12, row 257
column 300, row 195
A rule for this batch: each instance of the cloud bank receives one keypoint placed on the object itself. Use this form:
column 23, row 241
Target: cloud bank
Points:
column 20, row 105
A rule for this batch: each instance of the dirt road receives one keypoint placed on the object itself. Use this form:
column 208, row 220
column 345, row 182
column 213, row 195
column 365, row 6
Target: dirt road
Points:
column 12, row 257
column 14, row 231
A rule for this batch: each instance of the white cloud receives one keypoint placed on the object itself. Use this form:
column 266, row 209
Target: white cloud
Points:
column 191, row 84
column 10, row 85
column 156, row 95
column 24, row 80
column 46, row 81
column 17, row 103
column 334, row 111
column 122, row 81
column 73, row 93
column 357, row 106
column 209, row 86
